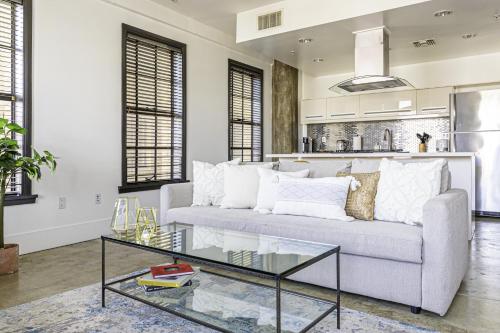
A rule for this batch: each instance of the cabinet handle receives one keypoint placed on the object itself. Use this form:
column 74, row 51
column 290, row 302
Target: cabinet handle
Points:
column 389, row 111
column 309, row 117
column 342, row 114
column 432, row 108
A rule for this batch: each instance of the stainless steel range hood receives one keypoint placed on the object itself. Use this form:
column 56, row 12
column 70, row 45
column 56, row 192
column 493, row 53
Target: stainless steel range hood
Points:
column 371, row 64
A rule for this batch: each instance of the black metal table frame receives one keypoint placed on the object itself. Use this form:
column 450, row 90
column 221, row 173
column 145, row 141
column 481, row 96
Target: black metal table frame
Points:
column 278, row 278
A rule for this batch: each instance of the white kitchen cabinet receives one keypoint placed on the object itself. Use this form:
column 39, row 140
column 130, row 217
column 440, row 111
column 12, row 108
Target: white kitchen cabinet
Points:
column 434, row 101
column 313, row 110
column 390, row 104
column 345, row 108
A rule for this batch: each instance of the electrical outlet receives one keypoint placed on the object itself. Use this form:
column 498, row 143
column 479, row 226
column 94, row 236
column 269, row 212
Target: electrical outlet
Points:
column 62, row 202
column 98, row 198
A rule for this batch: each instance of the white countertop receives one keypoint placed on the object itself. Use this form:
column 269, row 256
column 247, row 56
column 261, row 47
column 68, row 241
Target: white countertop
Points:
column 372, row 155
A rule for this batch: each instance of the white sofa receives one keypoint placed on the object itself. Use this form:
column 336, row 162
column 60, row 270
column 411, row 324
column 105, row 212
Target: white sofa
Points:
column 420, row 266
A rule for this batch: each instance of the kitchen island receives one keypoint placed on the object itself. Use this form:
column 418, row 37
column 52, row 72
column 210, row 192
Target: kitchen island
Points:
column 462, row 166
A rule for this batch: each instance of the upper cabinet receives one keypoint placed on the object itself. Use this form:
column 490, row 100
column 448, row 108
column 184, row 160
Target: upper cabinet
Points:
column 434, row 101
column 390, row 104
column 423, row 103
column 313, row 110
column 345, row 107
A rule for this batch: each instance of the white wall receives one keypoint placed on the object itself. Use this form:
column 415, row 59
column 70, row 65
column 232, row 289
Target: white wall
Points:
column 466, row 71
column 77, row 110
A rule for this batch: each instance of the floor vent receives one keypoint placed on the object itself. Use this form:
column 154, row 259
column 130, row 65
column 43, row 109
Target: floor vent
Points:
column 270, row 20
column 424, row 42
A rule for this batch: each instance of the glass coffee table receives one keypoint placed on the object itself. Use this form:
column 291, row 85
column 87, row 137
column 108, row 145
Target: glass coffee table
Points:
column 226, row 303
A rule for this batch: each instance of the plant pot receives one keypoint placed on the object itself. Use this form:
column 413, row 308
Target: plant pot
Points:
column 422, row 148
column 9, row 259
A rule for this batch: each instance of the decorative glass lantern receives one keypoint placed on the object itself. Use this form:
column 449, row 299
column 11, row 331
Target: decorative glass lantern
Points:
column 146, row 226
column 125, row 214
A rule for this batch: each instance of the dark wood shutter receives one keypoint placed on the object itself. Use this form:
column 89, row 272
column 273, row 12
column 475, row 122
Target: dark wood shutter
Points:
column 245, row 112
column 12, row 74
column 154, row 109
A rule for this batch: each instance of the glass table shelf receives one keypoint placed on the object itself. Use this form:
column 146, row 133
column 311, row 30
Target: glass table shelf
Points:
column 231, row 305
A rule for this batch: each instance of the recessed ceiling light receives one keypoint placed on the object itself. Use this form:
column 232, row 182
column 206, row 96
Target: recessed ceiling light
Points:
column 292, row 52
column 305, row 40
column 318, row 59
column 469, row 36
column 443, row 13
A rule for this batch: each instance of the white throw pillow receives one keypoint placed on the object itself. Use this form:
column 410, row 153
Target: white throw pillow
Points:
column 315, row 197
column 208, row 182
column 241, row 185
column 268, row 187
column 403, row 189
column 372, row 165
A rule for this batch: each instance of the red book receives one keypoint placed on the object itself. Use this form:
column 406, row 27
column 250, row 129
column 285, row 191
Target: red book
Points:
column 170, row 271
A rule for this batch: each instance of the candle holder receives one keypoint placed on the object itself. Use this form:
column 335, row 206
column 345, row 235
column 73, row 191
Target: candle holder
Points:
column 146, row 225
column 125, row 214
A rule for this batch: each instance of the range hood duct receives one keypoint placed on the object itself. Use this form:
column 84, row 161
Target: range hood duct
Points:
column 371, row 64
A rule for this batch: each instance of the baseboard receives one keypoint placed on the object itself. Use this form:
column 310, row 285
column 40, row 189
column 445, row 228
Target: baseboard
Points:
column 43, row 239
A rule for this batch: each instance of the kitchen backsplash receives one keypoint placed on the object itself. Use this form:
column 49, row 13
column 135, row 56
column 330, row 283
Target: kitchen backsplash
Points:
column 404, row 133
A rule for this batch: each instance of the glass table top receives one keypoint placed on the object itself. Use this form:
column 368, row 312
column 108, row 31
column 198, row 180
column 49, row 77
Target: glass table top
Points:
column 268, row 255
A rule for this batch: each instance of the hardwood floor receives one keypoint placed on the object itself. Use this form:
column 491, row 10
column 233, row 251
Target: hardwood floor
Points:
column 476, row 308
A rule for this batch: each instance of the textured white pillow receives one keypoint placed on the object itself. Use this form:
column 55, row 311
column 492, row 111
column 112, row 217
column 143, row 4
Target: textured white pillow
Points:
column 316, row 197
column 268, row 187
column 241, row 185
column 208, row 182
column 403, row 189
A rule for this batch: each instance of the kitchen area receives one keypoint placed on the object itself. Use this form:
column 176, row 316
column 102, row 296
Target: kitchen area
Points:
column 376, row 125
column 374, row 115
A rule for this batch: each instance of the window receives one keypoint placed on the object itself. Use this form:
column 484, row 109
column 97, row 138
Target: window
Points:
column 154, row 131
column 15, row 81
column 245, row 112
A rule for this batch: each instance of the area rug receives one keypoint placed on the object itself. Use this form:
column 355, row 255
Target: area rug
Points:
column 80, row 310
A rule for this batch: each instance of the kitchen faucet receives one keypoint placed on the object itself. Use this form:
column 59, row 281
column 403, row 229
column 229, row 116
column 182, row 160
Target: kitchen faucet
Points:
column 388, row 138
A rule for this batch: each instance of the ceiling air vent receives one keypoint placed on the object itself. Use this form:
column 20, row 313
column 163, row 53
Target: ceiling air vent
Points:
column 270, row 20
column 424, row 42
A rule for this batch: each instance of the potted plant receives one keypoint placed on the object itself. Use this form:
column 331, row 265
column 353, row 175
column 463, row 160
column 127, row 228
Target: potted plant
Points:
column 424, row 138
column 11, row 163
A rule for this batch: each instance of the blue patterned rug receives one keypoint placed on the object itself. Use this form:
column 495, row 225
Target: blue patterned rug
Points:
column 80, row 310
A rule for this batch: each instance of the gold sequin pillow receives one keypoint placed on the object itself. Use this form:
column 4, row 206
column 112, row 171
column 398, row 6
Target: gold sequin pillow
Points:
column 361, row 203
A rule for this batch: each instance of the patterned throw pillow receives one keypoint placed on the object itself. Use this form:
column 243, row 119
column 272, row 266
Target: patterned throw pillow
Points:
column 404, row 189
column 315, row 197
column 208, row 182
column 361, row 203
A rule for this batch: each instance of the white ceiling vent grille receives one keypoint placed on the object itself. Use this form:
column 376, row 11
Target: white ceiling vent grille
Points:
column 270, row 20
column 424, row 42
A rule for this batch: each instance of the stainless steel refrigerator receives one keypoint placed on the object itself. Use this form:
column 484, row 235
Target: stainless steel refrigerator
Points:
column 475, row 128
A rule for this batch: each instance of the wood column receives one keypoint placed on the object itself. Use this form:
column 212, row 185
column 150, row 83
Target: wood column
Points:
column 285, row 108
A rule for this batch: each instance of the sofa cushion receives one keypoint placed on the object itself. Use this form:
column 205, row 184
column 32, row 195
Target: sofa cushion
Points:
column 376, row 239
column 317, row 169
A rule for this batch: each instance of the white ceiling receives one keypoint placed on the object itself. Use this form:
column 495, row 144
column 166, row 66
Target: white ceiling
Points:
column 335, row 43
column 220, row 14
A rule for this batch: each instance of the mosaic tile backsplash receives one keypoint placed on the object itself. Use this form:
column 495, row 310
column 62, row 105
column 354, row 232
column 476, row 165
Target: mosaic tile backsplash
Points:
column 404, row 133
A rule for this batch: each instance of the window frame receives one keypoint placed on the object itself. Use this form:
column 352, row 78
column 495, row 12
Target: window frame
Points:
column 234, row 63
column 26, row 196
column 151, row 185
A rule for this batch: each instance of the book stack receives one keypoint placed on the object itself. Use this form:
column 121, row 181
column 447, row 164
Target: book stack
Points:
column 167, row 276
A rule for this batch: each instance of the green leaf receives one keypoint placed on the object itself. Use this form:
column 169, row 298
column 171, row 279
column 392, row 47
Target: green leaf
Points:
column 16, row 128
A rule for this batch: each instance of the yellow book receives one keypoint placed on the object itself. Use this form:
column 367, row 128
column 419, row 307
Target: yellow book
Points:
column 179, row 281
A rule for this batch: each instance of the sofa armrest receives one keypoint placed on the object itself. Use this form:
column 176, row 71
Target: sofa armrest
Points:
column 173, row 196
column 445, row 249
